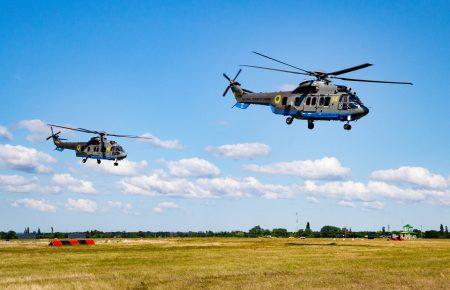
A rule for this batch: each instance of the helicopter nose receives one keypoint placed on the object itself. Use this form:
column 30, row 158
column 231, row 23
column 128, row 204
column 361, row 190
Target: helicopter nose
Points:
column 365, row 110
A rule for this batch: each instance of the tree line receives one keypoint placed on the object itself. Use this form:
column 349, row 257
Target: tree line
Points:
column 257, row 231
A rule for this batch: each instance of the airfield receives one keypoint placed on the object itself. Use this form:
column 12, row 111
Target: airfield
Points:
column 226, row 263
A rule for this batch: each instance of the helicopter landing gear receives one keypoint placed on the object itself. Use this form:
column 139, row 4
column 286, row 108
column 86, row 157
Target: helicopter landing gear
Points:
column 116, row 163
column 84, row 160
column 310, row 125
column 289, row 120
column 347, row 126
column 99, row 161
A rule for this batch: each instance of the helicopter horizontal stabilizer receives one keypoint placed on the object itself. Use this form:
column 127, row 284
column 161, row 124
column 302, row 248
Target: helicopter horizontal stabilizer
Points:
column 242, row 106
column 60, row 149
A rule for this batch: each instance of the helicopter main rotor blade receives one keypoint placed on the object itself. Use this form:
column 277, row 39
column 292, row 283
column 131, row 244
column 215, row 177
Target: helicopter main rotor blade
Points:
column 274, row 69
column 129, row 136
column 371, row 81
column 353, row 68
column 226, row 91
column 279, row 61
column 75, row 129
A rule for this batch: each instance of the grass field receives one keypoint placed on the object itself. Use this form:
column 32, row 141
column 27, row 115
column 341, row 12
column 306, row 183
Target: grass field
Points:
column 227, row 263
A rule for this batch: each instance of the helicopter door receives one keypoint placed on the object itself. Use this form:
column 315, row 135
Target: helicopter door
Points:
column 343, row 102
column 310, row 104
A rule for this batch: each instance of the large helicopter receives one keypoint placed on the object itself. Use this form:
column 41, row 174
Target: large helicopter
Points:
column 96, row 148
column 312, row 100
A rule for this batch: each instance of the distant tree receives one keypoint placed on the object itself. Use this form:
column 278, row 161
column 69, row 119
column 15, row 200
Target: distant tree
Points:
column 330, row 232
column 282, row 233
column 441, row 229
column 11, row 235
column 308, row 231
column 383, row 230
column 256, row 231
column 446, row 231
column 38, row 231
column 300, row 233
column 431, row 234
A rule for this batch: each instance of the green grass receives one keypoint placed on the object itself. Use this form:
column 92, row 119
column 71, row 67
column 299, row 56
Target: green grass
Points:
column 227, row 263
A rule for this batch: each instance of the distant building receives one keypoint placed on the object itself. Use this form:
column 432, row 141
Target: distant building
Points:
column 407, row 233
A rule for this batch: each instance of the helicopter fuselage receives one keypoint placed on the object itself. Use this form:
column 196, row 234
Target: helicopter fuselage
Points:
column 93, row 149
column 311, row 100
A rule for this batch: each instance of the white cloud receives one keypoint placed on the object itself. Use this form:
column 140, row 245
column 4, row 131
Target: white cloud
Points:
column 312, row 199
column 325, row 168
column 125, row 168
column 373, row 204
column 413, row 175
column 288, row 87
column 347, row 190
column 161, row 184
column 21, row 184
column 37, row 204
column 166, row 144
column 346, row 203
column 73, row 184
column 240, row 151
column 122, row 206
column 5, row 134
column 165, row 205
column 192, row 167
column 25, row 159
column 85, row 205
column 39, row 130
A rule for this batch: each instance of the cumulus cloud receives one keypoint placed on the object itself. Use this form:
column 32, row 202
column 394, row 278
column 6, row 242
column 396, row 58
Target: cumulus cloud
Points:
column 39, row 130
column 161, row 184
column 347, row 190
column 5, row 134
column 37, row 204
column 312, row 199
column 21, row 184
column 412, row 175
column 24, row 159
column 240, row 151
column 73, row 184
column 121, row 206
column 325, row 168
column 165, row 205
column 373, row 204
column 125, row 168
column 84, row 205
column 166, row 144
column 192, row 167
column 346, row 203
column 288, row 87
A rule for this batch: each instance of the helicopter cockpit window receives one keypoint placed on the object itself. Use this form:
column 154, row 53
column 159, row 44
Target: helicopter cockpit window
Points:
column 327, row 101
column 321, row 101
column 284, row 101
column 308, row 101
column 353, row 106
column 314, row 100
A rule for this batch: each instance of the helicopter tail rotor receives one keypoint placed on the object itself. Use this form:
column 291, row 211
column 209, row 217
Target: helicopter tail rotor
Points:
column 54, row 136
column 233, row 84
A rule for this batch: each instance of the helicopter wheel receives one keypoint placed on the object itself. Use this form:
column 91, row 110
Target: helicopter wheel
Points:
column 310, row 125
column 289, row 120
column 99, row 161
column 347, row 126
column 116, row 164
column 84, row 160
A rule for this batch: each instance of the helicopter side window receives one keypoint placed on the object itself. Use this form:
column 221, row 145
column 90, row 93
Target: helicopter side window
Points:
column 321, row 101
column 284, row 101
column 314, row 100
column 308, row 101
column 297, row 101
column 327, row 101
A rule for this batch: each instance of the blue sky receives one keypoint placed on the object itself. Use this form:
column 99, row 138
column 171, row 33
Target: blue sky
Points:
column 156, row 68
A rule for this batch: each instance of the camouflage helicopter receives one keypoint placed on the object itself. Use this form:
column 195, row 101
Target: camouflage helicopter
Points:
column 312, row 100
column 96, row 148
